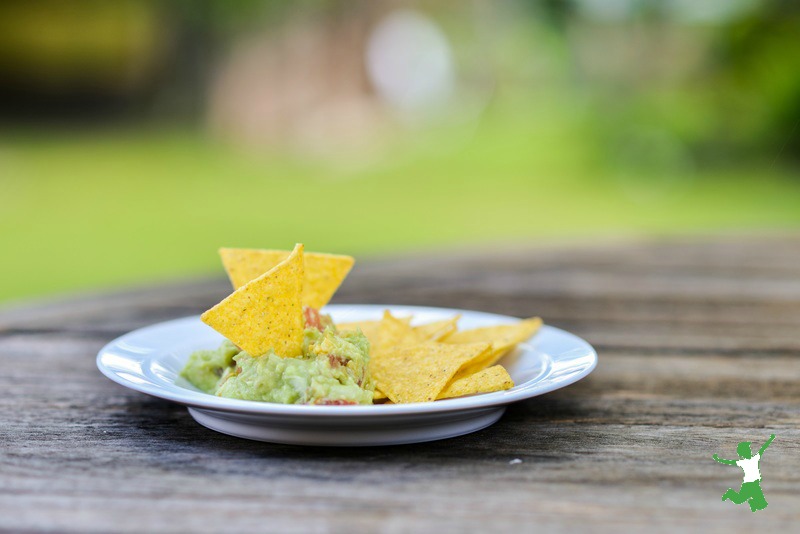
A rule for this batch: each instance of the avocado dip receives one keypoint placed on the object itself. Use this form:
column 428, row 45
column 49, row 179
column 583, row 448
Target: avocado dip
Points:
column 331, row 370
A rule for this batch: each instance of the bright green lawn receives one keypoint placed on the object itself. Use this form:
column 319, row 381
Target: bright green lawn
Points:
column 92, row 210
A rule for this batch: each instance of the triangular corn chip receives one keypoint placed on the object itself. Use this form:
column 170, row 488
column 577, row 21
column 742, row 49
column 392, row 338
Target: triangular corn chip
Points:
column 418, row 373
column 437, row 330
column 502, row 337
column 324, row 273
column 503, row 334
column 265, row 313
column 494, row 378
column 395, row 331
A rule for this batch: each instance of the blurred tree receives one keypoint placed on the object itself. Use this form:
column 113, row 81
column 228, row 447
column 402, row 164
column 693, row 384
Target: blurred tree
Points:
column 758, row 66
column 717, row 77
column 77, row 57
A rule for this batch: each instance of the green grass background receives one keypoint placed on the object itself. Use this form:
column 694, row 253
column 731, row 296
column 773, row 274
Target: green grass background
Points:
column 105, row 208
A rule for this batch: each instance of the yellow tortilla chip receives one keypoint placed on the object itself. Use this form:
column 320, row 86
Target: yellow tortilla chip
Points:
column 504, row 334
column 324, row 273
column 418, row 373
column 502, row 337
column 395, row 331
column 494, row 378
column 265, row 313
column 437, row 330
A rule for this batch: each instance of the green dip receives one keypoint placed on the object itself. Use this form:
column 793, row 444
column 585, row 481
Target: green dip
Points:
column 331, row 370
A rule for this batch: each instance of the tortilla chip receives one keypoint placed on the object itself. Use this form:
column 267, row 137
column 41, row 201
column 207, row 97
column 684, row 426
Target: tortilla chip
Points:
column 418, row 373
column 504, row 334
column 502, row 337
column 395, row 331
column 486, row 381
column 324, row 273
column 265, row 313
column 437, row 330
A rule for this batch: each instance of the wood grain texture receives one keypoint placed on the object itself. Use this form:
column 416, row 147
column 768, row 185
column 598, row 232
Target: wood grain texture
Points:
column 699, row 346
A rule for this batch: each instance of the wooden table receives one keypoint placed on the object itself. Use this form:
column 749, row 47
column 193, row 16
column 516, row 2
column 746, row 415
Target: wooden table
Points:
column 699, row 345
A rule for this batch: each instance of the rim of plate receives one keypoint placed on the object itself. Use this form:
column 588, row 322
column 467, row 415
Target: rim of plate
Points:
column 122, row 351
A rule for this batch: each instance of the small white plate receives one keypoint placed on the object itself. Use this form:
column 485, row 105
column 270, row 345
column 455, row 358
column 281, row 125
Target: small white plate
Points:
column 150, row 360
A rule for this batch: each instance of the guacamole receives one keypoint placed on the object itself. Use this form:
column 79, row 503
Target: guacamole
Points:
column 331, row 370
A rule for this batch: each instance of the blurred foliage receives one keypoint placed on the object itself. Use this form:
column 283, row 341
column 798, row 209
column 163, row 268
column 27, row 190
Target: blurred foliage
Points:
column 573, row 119
column 48, row 42
column 740, row 96
column 758, row 63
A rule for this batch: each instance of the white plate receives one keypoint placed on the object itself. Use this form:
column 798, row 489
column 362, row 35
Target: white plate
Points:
column 150, row 359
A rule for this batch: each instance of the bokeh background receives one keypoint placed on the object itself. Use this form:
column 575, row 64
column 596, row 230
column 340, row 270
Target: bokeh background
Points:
column 137, row 136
